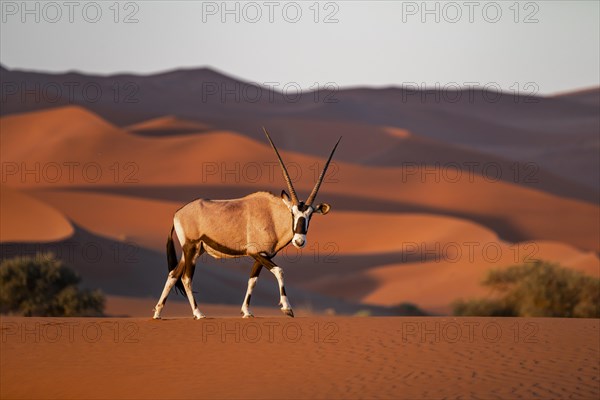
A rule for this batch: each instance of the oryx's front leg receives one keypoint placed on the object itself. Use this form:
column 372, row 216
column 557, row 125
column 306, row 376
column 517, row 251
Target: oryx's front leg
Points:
column 286, row 307
column 256, row 268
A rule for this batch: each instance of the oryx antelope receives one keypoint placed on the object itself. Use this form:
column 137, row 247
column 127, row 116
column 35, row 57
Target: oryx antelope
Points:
column 258, row 226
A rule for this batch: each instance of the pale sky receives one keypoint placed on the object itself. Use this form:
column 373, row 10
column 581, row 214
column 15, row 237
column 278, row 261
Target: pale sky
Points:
column 553, row 44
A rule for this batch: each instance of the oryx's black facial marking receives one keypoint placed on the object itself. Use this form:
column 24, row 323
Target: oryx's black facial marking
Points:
column 301, row 226
column 301, row 214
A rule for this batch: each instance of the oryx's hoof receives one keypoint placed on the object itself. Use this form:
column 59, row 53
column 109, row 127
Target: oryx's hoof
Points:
column 199, row 315
column 246, row 314
column 156, row 316
column 288, row 312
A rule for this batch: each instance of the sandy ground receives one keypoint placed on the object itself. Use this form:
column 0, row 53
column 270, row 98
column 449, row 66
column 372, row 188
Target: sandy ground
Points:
column 178, row 307
column 278, row 357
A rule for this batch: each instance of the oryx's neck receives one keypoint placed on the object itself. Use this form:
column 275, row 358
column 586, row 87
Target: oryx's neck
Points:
column 270, row 209
column 282, row 219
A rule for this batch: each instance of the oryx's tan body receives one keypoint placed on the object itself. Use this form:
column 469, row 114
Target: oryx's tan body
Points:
column 259, row 223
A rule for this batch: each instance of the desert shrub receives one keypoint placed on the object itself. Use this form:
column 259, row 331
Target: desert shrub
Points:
column 407, row 309
column 363, row 313
column 539, row 289
column 483, row 307
column 41, row 285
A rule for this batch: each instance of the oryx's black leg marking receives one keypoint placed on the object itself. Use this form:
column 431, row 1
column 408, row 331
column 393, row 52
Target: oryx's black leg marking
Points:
column 264, row 260
column 278, row 272
column 256, row 268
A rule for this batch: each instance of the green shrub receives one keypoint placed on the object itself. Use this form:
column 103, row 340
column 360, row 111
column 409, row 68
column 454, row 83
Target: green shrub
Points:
column 483, row 307
column 362, row 313
column 42, row 286
column 407, row 309
column 540, row 289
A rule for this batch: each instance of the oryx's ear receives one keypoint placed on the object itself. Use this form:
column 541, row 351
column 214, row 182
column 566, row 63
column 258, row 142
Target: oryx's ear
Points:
column 323, row 208
column 286, row 198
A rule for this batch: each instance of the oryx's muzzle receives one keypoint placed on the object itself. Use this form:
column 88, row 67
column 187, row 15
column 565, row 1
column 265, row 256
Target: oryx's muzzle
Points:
column 299, row 240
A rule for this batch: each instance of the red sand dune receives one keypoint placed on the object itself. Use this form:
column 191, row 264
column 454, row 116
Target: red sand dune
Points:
column 277, row 358
column 436, row 260
column 117, row 216
column 26, row 219
column 145, row 222
column 513, row 211
column 423, row 259
column 434, row 285
column 167, row 125
column 548, row 131
column 378, row 212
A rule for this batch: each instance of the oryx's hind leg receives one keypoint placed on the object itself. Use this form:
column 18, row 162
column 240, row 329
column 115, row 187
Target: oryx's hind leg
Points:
column 192, row 252
column 171, row 281
column 175, row 268
column 256, row 268
column 286, row 307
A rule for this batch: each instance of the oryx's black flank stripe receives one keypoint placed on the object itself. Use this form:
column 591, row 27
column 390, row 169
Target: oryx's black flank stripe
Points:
column 221, row 248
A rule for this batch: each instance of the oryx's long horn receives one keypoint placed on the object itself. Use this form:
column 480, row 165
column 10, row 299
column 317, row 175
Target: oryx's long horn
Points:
column 315, row 190
column 286, row 175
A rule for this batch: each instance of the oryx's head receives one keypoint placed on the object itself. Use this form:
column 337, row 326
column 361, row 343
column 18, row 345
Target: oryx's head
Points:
column 302, row 211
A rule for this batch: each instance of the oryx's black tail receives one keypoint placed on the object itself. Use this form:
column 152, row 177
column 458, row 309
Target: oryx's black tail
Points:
column 172, row 262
